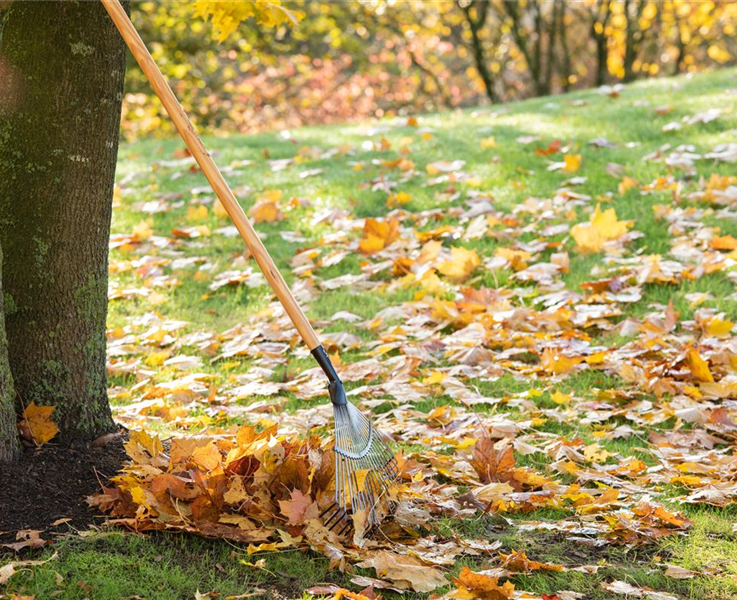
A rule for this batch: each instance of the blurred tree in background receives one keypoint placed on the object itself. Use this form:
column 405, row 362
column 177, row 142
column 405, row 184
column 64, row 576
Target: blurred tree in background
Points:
column 358, row 59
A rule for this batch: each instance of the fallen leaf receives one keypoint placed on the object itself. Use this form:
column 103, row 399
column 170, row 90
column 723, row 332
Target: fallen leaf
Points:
column 37, row 425
column 406, row 572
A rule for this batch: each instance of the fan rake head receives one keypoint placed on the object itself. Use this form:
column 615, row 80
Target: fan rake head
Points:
column 364, row 464
column 364, row 468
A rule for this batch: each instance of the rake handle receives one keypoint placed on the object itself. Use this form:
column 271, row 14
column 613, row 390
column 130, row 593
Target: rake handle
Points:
column 211, row 171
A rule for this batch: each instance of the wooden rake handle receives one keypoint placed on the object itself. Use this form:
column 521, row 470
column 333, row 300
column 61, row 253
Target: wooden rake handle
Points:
column 209, row 168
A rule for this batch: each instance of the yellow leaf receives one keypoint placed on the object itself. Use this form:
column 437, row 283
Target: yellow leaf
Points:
column 156, row 359
column 378, row 234
column 219, row 209
column 266, row 212
column 37, row 425
column 435, row 377
column 595, row 453
column 142, row 231
column 488, row 142
column 573, row 163
column 270, row 195
column 398, row 199
column 517, row 259
column 698, row 366
column 556, row 363
column 687, row 480
column 462, row 264
column 273, row 547
column 227, row 15
column 560, row 398
column 603, row 227
column 197, row 213
column 719, row 328
column 627, row 184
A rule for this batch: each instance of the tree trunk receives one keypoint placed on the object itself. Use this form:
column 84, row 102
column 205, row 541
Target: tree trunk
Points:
column 565, row 50
column 599, row 22
column 58, row 150
column 477, row 45
column 632, row 38
column 9, row 444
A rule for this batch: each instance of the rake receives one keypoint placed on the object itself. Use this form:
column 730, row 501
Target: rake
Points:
column 364, row 464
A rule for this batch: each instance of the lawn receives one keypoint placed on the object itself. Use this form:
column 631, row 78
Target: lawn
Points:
column 568, row 348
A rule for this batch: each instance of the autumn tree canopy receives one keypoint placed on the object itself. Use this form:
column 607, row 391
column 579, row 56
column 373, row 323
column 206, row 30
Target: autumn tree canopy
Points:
column 349, row 60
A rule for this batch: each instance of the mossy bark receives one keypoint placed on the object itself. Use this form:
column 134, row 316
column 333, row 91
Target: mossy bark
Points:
column 9, row 443
column 58, row 150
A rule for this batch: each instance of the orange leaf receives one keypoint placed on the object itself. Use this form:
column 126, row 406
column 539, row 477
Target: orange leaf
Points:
column 479, row 585
column 491, row 464
column 377, row 235
column 266, row 212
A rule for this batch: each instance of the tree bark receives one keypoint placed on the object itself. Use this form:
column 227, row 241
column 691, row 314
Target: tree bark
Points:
column 58, row 150
column 599, row 20
column 633, row 37
column 565, row 50
column 9, row 443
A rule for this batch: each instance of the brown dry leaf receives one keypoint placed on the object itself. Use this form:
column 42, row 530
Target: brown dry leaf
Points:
column 490, row 464
column 36, row 425
column 8, row 570
column 470, row 585
column 27, row 538
column 406, row 572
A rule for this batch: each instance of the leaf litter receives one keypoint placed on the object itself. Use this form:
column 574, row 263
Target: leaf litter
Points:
column 259, row 471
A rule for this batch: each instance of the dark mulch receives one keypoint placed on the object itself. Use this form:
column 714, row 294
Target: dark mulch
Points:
column 52, row 483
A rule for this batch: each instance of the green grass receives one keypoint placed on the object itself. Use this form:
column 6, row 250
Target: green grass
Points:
column 161, row 567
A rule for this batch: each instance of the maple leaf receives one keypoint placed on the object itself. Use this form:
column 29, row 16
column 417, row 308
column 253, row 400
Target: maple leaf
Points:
column 299, row 508
column 557, row 363
column 470, row 585
column 36, row 425
column 603, row 227
column 490, row 464
column 462, row 264
column 378, row 234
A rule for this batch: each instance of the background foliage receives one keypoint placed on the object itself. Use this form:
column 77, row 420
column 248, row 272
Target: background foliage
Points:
column 358, row 59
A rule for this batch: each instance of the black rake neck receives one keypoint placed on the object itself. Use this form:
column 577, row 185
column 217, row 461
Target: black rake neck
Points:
column 336, row 390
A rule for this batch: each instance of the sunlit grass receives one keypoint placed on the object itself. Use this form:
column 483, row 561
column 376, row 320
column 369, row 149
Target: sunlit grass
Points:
column 169, row 567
